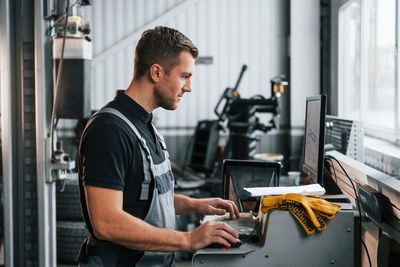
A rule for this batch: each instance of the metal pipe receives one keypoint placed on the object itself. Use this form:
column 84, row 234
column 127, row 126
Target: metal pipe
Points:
column 46, row 192
column 19, row 173
column 6, row 129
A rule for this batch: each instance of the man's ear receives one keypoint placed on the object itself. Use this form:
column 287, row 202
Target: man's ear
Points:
column 156, row 71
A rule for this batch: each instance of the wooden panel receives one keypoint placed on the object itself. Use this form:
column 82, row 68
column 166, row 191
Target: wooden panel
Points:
column 371, row 238
column 363, row 175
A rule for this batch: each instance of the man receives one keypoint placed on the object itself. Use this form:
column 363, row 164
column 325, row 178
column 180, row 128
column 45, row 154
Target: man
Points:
column 126, row 183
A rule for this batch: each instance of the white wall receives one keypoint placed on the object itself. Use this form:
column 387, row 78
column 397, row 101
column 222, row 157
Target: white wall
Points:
column 304, row 56
column 233, row 32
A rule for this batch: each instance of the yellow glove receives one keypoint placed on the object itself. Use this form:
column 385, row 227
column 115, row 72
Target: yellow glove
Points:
column 301, row 216
column 312, row 201
column 271, row 202
column 322, row 220
column 310, row 211
column 312, row 204
column 299, row 212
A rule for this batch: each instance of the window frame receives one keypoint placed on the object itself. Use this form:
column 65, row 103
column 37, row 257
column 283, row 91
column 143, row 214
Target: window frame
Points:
column 391, row 135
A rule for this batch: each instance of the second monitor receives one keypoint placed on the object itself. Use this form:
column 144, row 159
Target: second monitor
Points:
column 314, row 136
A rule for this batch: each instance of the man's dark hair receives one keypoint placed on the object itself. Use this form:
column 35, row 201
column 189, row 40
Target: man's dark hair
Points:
column 161, row 45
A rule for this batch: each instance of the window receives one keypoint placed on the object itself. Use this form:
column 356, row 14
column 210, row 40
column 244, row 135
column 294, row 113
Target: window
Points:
column 349, row 59
column 381, row 57
column 368, row 89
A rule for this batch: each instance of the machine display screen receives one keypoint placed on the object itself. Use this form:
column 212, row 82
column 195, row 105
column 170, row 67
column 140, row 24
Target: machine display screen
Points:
column 314, row 137
column 311, row 148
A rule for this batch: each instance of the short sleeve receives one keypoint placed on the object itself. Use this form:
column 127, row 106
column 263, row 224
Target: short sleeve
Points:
column 105, row 155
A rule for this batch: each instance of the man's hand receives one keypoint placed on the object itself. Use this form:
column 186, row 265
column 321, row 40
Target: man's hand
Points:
column 184, row 204
column 217, row 206
column 211, row 232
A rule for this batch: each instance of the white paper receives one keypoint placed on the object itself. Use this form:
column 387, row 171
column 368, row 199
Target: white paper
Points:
column 311, row 189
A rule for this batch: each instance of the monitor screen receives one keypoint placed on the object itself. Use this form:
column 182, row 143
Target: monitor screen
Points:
column 314, row 137
column 238, row 174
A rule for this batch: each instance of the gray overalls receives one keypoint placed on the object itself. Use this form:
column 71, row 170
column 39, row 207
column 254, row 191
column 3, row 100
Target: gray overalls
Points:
column 161, row 212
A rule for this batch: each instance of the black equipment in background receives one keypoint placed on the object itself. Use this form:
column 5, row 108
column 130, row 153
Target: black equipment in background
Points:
column 206, row 137
column 228, row 97
column 238, row 117
column 243, row 122
column 205, row 146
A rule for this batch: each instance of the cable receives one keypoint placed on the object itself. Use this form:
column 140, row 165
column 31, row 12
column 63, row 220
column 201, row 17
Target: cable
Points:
column 56, row 122
column 366, row 250
column 48, row 32
column 328, row 170
column 352, row 184
column 334, row 170
column 357, row 200
column 57, row 81
column 74, row 4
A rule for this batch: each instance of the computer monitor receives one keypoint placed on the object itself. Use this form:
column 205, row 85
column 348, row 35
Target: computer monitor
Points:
column 314, row 133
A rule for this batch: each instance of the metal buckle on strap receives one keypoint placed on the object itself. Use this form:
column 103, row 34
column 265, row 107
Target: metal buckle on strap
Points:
column 158, row 134
column 145, row 147
column 163, row 144
column 144, row 193
column 161, row 140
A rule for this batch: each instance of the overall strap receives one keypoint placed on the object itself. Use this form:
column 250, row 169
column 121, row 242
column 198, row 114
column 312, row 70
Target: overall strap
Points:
column 147, row 160
column 159, row 137
column 161, row 140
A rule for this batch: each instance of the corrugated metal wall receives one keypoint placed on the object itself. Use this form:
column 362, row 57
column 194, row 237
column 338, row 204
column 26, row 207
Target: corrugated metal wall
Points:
column 233, row 32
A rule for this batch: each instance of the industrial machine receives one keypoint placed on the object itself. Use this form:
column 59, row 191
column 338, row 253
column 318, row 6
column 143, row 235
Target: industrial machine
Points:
column 278, row 239
column 72, row 53
column 237, row 117
column 72, row 59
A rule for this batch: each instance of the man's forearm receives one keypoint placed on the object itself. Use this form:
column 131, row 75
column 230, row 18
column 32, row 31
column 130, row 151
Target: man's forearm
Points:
column 134, row 233
column 110, row 222
column 184, row 204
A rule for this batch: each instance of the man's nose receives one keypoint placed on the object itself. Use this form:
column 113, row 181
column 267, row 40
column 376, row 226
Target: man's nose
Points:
column 187, row 87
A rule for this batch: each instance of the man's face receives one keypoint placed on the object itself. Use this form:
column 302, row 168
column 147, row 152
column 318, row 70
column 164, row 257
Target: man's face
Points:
column 170, row 89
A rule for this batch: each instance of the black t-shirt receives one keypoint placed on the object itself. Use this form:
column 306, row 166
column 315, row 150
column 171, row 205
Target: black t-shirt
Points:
column 110, row 157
